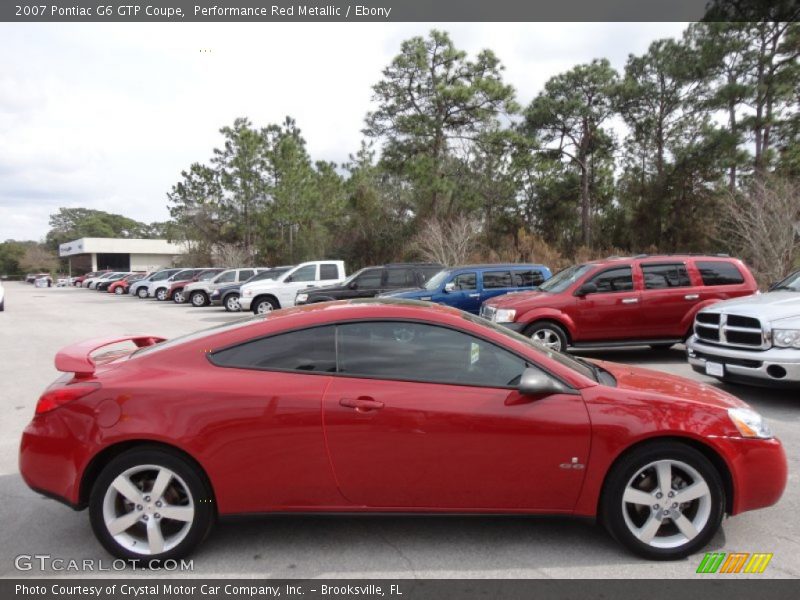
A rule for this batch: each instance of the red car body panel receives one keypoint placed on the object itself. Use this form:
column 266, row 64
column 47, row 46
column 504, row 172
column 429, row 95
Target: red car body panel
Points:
column 283, row 441
column 639, row 313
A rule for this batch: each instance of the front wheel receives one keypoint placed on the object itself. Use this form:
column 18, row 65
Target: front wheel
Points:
column 151, row 505
column 550, row 335
column 232, row 303
column 179, row 297
column 265, row 305
column 119, row 290
column 198, row 299
column 664, row 501
column 142, row 292
column 161, row 294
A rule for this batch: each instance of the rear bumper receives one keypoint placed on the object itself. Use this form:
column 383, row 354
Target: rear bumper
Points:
column 774, row 367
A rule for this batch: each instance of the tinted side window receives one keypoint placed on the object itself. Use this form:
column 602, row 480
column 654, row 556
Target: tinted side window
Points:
column 228, row 277
column 658, row 277
column 419, row 352
column 396, row 278
column 466, row 281
column 719, row 273
column 370, row 280
column 307, row 273
column 327, row 272
column 246, row 274
column 307, row 350
column 496, row 279
column 526, row 278
column 614, row 280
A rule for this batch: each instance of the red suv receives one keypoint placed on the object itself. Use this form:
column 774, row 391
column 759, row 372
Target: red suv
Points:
column 643, row 300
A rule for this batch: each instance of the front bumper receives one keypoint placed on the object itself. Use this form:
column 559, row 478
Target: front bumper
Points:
column 515, row 326
column 775, row 366
column 244, row 303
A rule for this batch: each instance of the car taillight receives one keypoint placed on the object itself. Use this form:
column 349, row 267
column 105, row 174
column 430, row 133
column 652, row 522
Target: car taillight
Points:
column 54, row 398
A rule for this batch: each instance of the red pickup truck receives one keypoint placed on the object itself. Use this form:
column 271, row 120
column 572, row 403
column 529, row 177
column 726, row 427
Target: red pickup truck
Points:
column 641, row 300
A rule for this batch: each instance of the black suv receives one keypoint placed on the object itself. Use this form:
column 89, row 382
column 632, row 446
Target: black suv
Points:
column 371, row 281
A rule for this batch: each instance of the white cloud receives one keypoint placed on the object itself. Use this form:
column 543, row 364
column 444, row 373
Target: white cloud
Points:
column 107, row 115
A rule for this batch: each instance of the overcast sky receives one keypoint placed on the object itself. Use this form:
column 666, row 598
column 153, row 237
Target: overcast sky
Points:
column 106, row 116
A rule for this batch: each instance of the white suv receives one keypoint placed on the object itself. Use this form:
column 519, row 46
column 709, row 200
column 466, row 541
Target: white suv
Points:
column 272, row 294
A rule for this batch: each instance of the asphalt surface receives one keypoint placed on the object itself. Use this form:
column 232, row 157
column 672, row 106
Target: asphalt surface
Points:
column 38, row 322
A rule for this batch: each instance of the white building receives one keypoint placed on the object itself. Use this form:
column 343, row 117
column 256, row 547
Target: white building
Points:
column 120, row 254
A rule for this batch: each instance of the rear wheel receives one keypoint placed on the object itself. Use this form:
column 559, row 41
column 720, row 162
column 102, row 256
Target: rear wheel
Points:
column 664, row 501
column 150, row 504
column 198, row 299
column 142, row 292
column 161, row 294
column 179, row 297
column 549, row 334
column 119, row 290
column 263, row 306
column 232, row 303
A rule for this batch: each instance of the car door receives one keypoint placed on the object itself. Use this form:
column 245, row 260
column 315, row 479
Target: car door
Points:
column 463, row 293
column 303, row 277
column 667, row 297
column 366, row 285
column 612, row 312
column 426, row 416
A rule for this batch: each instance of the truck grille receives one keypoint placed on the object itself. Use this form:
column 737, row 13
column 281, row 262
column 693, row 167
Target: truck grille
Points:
column 730, row 330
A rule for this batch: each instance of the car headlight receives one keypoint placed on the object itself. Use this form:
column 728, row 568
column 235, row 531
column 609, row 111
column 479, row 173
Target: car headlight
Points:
column 786, row 338
column 749, row 423
column 301, row 298
column 505, row 315
column 215, row 294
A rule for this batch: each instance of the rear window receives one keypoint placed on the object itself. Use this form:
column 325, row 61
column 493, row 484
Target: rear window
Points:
column 719, row 272
column 327, row 272
column 658, row 277
column 396, row 278
column 496, row 279
column 526, row 278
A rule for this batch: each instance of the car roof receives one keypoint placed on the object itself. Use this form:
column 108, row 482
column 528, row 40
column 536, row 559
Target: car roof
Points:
column 497, row 266
column 659, row 257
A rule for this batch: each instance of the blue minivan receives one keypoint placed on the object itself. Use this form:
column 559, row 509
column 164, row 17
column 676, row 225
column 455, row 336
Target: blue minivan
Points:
column 468, row 286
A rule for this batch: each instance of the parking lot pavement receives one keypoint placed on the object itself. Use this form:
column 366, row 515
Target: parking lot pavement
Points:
column 37, row 322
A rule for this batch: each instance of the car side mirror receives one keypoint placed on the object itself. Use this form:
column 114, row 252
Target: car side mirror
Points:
column 449, row 287
column 353, row 285
column 536, row 383
column 289, row 279
column 586, row 288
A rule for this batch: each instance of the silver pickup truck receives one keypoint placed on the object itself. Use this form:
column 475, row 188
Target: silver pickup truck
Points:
column 753, row 340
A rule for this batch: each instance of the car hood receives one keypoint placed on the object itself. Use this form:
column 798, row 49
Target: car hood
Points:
column 772, row 305
column 515, row 299
column 335, row 287
column 657, row 382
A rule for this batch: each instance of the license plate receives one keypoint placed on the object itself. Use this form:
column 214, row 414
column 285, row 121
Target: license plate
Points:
column 715, row 369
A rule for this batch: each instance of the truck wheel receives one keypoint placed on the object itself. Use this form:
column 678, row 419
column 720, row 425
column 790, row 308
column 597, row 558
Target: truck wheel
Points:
column 198, row 299
column 265, row 305
column 232, row 303
column 549, row 334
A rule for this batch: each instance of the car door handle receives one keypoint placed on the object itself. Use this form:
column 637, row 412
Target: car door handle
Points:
column 630, row 300
column 474, row 295
column 692, row 296
column 361, row 404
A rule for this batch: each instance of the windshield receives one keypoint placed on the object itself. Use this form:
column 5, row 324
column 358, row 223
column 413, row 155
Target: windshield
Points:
column 791, row 283
column 435, row 282
column 559, row 357
column 563, row 279
column 207, row 275
column 161, row 275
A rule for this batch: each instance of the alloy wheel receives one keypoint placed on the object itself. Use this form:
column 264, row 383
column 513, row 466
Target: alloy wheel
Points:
column 148, row 509
column 264, row 307
column 161, row 294
column 232, row 303
column 666, row 504
column 179, row 297
column 548, row 338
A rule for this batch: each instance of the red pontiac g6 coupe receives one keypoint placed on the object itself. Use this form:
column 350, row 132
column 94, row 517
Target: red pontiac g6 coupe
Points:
column 387, row 406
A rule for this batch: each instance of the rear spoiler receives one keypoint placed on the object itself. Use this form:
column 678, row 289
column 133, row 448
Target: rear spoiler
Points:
column 76, row 358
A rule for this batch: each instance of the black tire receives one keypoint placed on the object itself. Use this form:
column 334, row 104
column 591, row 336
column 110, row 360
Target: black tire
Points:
column 661, row 347
column 538, row 328
column 196, row 486
column 141, row 292
column 3, row 305
column 613, row 514
column 231, row 303
column 198, row 299
column 264, row 305
column 161, row 294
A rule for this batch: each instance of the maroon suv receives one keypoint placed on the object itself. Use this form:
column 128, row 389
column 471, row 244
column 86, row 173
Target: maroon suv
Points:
column 644, row 300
